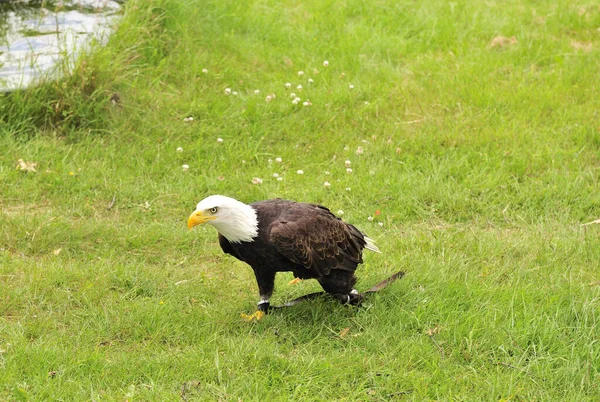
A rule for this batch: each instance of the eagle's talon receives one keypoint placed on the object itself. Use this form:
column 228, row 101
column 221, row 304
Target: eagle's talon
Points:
column 257, row 315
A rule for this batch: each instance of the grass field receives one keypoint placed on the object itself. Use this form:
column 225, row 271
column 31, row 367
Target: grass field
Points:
column 477, row 156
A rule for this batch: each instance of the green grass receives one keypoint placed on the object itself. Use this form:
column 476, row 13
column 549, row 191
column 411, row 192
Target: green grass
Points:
column 483, row 161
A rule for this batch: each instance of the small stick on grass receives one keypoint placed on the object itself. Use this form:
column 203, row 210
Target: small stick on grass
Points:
column 531, row 376
column 437, row 345
column 183, row 392
column 597, row 221
column 112, row 203
column 399, row 393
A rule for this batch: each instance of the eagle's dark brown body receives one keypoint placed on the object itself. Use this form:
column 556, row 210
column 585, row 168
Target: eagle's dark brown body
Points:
column 306, row 239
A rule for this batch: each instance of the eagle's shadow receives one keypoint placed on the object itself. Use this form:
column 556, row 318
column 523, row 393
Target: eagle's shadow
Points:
column 325, row 309
column 322, row 319
column 354, row 298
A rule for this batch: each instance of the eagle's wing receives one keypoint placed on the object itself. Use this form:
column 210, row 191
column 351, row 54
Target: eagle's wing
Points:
column 317, row 240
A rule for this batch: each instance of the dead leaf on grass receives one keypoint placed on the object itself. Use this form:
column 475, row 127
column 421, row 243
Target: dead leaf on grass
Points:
column 502, row 41
column 583, row 46
column 344, row 332
column 433, row 331
column 26, row 167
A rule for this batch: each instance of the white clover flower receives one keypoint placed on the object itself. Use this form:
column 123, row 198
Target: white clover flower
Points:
column 227, row 91
column 340, row 212
column 275, row 175
column 370, row 219
column 179, row 149
column 351, row 86
column 327, row 184
column 295, row 101
column 256, row 180
column 300, row 73
column 310, row 81
column 185, row 167
column 359, row 151
column 300, row 171
column 346, row 148
column 348, row 170
column 269, row 161
column 288, row 85
column 327, row 172
column 325, row 63
column 256, row 91
column 278, row 160
column 204, row 70
column 243, row 161
column 380, row 224
column 315, row 71
column 269, row 98
column 348, row 189
column 307, row 103
column 347, row 163
column 234, row 93
column 366, row 103
column 299, row 87
column 293, row 95
column 279, row 178
column 219, row 140
column 188, row 119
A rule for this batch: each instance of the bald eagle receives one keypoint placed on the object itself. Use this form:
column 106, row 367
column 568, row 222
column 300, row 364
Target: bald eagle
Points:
column 286, row 236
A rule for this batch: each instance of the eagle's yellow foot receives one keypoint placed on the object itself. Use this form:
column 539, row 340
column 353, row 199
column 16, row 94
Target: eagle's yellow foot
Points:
column 256, row 315
column 294, row 281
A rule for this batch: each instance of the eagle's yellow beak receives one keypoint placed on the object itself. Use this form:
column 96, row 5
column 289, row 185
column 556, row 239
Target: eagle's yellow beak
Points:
column 198, row 218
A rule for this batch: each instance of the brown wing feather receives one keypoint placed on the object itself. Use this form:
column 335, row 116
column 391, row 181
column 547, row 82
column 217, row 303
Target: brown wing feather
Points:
column 313, row 237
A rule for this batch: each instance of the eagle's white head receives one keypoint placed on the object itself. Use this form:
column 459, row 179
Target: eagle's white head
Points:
column 236, row 221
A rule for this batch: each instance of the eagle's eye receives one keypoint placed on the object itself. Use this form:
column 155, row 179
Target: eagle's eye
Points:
column 213, row 210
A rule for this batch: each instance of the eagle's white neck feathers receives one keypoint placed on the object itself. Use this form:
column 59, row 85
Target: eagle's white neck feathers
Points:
column 236, row 221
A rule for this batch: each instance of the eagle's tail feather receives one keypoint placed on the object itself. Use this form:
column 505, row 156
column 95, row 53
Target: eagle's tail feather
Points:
column 371, row 245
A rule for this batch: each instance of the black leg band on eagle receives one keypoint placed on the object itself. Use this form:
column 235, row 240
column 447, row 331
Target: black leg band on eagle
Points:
column 263, row 306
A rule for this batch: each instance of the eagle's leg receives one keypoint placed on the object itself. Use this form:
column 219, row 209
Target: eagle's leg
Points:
column 266, row 285
column 353, row 297
column 340, row 285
